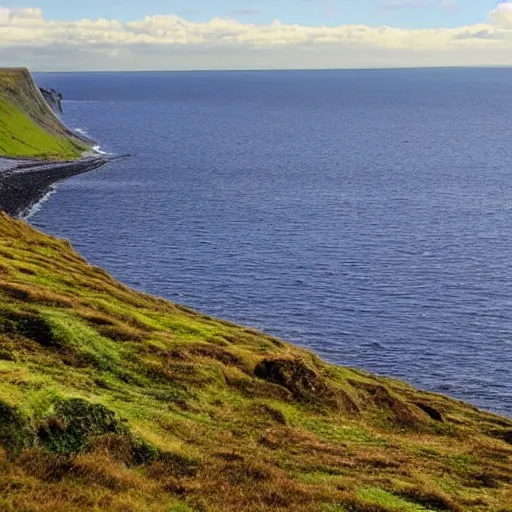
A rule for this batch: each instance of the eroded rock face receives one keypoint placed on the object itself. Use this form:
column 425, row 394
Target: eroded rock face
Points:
column 53, row 98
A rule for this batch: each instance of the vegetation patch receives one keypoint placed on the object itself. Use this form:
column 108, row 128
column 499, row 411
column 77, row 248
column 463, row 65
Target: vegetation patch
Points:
column 15, row 432
column 385, row 501
column 431, row 411
column 29, row 325
column 390, row 407
column 123, row 447
column 431, row 498
column 74, row 423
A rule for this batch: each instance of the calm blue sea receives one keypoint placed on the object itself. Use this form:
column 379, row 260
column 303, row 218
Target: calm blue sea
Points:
column 366, row 215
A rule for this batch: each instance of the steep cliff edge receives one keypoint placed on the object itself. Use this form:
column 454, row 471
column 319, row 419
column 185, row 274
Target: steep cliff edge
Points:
column 112, row 400
column 28, row 126
column 36, row 149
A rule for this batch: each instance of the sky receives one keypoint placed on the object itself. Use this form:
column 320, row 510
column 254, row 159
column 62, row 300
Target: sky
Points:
column 403, row 13
column 253, row 34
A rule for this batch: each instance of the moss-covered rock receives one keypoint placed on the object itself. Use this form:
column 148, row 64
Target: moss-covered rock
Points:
column 305, row 383
column 293, row 374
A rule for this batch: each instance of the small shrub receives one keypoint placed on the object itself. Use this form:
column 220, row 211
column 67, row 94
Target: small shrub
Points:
column 28, row 325
column 74, row 422
column 15, row 432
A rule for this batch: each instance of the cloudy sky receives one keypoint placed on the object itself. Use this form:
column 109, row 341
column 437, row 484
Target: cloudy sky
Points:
column 253, row 34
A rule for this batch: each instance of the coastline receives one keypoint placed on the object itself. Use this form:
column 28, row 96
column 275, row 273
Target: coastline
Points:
column 36, row 148
column 112, row 399
column 25, row 183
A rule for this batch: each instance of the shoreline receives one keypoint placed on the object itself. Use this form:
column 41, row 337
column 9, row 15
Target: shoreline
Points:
column 114, row 398
column 28, row 181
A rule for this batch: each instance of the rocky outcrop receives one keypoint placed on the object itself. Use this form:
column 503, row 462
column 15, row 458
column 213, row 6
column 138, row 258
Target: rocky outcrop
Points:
column 53, row 98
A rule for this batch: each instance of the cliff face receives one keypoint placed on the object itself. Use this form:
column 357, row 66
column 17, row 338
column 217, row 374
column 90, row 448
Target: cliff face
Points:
column 53, row 98
column 117, row 401
column 28, row 126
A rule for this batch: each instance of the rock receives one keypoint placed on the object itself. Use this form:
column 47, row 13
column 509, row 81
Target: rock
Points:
column 293, row 374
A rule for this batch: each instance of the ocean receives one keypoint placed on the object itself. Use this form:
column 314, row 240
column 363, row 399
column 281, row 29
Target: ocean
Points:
column 363, row 214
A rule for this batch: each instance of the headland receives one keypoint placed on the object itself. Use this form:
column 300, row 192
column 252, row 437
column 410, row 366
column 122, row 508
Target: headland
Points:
column 36, row 148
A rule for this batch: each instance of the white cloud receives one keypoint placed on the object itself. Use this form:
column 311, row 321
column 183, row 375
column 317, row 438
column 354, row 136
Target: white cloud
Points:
column 501, row 16
column 171, row 42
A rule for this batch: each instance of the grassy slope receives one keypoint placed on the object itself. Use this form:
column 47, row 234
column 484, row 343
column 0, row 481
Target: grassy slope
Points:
column 115, row 400
column 28, row 127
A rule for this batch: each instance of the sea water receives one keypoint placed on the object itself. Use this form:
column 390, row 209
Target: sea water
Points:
column 366, row 215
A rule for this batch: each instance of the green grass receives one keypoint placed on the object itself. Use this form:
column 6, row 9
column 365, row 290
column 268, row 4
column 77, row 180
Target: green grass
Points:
column 28, row 128
column 374, row 495
column 113, row 400
column 20, row 136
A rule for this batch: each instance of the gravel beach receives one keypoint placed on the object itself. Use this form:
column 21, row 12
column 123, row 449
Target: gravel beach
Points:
column 23, row 182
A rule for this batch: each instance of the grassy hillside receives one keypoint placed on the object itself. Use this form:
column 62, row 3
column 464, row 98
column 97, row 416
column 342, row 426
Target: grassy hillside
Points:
column 113, row 400
column 28, row 127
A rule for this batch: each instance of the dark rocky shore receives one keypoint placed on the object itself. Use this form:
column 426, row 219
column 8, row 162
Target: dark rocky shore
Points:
column 26, row 183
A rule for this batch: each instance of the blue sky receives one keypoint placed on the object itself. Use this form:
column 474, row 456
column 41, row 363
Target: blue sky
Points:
column 398, row 13
column 239, row 34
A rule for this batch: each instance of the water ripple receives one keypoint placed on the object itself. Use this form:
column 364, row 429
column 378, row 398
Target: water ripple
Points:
column 291, row 203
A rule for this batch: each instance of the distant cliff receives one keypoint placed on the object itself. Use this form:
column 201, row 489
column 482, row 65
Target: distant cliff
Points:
column 53, row 98
column 29, row 127
column 36, row 148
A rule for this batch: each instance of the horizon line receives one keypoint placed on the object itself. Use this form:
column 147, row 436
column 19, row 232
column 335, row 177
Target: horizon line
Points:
column 278, row 70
